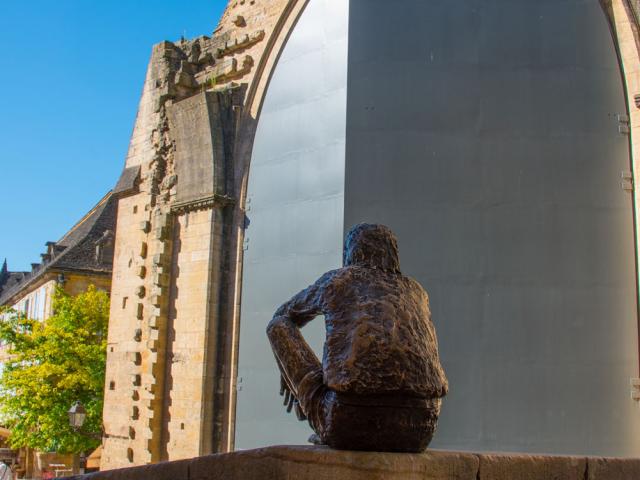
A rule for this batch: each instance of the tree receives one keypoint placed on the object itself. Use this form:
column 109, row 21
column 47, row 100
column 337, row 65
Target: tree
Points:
column 51, row 365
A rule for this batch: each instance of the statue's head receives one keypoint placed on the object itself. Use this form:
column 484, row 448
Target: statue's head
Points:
column 373, row 246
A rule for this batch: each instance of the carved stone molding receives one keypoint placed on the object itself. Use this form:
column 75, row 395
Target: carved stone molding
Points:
column 203, row 204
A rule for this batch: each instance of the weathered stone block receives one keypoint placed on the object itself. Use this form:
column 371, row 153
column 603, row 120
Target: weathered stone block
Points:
column 162, row 219
column 162, row 233
column 159, row 291
column 321, row 463
column 160, row 471
column 145, row 226
column 613, row 468
column 135, row 357
column 530, row 467
column 161, row 279
column 141, row 271
column 163, row 248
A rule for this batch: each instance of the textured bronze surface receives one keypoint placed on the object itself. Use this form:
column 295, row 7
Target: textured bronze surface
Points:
column 380, row 381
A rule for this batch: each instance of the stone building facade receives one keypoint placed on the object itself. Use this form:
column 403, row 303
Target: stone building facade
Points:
column 177, row 273
column 175, row 292
column 82, row 257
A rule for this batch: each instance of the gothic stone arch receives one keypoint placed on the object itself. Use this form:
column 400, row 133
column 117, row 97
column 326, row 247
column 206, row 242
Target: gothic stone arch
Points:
column 183, row 231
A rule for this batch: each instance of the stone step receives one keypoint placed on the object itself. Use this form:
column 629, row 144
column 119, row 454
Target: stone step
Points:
column 321, row 463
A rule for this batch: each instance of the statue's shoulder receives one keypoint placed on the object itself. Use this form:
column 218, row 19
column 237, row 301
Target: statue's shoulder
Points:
column 337, row 280
column 416, row 286
column 328, row 278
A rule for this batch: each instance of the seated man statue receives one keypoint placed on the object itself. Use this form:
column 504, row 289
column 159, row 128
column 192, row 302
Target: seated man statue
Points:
column 380, row 384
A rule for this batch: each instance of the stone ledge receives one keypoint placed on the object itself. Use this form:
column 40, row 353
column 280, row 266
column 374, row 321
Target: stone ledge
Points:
column 320, row 463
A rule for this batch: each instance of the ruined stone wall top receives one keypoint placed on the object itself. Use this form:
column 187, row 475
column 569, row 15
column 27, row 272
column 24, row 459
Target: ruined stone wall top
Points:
column 234, row 55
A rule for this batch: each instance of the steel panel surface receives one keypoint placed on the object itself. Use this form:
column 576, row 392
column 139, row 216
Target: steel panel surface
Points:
column 296, row 204
column 484, row 132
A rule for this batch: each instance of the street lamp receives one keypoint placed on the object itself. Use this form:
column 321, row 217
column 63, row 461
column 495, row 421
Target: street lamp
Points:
column 77, row 415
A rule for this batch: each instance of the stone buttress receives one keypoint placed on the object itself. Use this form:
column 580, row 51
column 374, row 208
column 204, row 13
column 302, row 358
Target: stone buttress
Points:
column 170, row 379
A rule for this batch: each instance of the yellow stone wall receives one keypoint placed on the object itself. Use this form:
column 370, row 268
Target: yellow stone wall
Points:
column 190, row 318
column 166, row 395
column 78, row 283
column 129, row 257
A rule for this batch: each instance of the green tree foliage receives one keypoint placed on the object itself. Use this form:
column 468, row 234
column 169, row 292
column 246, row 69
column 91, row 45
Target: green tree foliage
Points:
column 52, row 364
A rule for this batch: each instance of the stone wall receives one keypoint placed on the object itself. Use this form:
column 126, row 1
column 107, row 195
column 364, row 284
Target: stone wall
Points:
column 170, row 379
column 319, row 463
column 188, row 402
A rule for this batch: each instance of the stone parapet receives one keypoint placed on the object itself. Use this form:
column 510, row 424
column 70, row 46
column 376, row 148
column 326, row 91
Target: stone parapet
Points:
column 321, row 463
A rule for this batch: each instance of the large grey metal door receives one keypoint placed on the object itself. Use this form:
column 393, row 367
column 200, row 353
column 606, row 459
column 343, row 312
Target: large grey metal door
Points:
column 485, row 133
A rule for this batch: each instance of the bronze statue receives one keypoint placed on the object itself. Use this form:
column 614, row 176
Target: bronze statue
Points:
column 380, row 383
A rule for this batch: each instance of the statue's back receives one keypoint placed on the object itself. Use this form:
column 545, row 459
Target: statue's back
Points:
column 380, row 338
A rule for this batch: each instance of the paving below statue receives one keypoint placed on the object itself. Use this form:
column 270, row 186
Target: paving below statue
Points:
column 380, row 383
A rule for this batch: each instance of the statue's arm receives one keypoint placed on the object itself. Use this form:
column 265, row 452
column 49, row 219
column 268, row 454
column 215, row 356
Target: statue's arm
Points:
column 284, row 336
column 305, row 306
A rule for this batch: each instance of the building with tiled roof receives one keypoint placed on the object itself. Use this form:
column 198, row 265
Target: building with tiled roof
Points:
column 83, row 256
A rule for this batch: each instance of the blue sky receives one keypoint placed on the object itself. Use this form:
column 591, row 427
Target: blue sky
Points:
column 71, row 80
